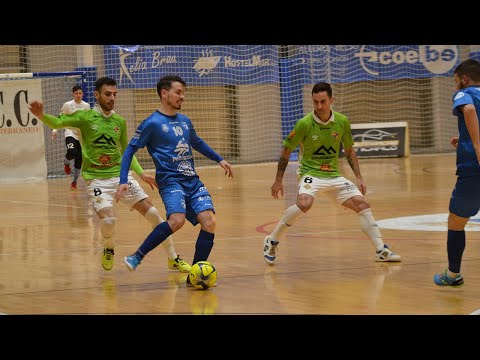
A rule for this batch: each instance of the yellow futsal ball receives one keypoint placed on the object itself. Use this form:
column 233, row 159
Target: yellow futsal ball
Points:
column 203, row 275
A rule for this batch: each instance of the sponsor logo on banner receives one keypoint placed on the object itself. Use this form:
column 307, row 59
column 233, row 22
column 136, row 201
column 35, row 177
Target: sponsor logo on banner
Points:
column 380, row 139
column 438, row 59
column 208, row 62
column 376, row 140
column 141, row 66
column 349, row 63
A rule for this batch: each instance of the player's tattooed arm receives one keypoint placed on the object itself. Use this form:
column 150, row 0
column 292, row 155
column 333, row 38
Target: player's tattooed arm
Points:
column 283, row 163
column 352, row 160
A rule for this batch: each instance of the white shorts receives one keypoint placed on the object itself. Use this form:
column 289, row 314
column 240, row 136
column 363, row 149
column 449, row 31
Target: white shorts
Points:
column 102, row 192
column 338, row 189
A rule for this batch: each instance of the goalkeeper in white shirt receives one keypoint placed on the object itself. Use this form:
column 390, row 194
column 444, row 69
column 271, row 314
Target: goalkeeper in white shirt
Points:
column 72, row 141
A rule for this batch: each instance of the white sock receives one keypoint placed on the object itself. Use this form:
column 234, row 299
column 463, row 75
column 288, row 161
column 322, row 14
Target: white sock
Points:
column 108, row 243
column 154, row 218
column 107, row 228
column 370, row 228
column 168, row 245
column 289, row 217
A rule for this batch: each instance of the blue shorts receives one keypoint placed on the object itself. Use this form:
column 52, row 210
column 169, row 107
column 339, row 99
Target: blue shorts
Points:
column 465, row 200
column 187, row 197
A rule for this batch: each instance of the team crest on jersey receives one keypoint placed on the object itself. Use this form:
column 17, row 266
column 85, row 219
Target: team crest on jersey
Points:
column 186, row 169
column 291, row 135
column 116, row 129
column 182, row 148
column 165, row 128
column 335, row 135
column 459, row 95
column 185, row 125
column 104, row 159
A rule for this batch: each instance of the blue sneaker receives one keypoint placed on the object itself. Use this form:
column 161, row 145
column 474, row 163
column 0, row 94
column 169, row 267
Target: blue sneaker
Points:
column 445, row 280
column 132, row 262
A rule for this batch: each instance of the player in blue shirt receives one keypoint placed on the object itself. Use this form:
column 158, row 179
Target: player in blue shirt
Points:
column 465, row 199
column 170, row 139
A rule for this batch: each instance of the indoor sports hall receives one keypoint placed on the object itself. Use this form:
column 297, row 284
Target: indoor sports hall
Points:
column 243, row 101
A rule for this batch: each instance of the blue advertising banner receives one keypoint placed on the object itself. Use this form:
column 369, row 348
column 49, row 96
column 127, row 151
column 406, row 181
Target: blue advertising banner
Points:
column 348, row 63
column 141, row 66
column 475, row 55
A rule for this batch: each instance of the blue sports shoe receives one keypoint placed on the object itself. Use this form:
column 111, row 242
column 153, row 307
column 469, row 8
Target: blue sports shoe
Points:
column 445, row 280
column 132, row 262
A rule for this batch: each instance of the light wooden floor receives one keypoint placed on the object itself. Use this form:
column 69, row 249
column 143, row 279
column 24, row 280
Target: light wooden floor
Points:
column 50, row 250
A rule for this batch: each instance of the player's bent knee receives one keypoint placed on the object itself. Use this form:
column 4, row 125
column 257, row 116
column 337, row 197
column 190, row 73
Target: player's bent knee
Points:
column 176, row 221
column 107, row 226
column 209, row 224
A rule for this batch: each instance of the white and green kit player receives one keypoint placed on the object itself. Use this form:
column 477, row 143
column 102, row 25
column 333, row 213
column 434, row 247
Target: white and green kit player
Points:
column 104, row 139
column 318, row 136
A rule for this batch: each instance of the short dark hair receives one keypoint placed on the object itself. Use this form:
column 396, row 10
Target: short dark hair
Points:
column 104, row 81
column 166, row 82
column 470, row 68
column 76, row 87
column 322, row 86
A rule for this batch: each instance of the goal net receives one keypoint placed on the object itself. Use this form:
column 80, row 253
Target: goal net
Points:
column 28, row 151
column 244, row 99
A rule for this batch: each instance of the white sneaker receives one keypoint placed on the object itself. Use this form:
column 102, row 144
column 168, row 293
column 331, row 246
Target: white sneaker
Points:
column 269, row 250
column 386, row 255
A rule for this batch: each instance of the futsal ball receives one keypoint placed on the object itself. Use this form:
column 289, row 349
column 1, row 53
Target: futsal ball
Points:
column 203, row 275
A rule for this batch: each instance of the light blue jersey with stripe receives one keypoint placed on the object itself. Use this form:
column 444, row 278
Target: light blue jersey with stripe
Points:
column 467, row 162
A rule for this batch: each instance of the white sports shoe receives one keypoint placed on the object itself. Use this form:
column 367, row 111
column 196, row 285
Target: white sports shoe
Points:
column 269, row 250
column 386, row 255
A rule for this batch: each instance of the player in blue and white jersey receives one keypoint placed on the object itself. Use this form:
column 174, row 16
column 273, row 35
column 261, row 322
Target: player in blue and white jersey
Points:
column 170, row 138
column 465, row 198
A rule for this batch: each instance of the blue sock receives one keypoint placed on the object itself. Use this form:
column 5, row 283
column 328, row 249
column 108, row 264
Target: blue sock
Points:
column 203, row 246
column 455, row 248
column 155, row 238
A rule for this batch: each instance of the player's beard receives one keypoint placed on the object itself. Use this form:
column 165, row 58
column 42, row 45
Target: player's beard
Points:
column 176, row 105
column 109, row 105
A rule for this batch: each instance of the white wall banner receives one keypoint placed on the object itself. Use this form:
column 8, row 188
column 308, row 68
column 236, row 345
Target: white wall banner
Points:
column 22, row 144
